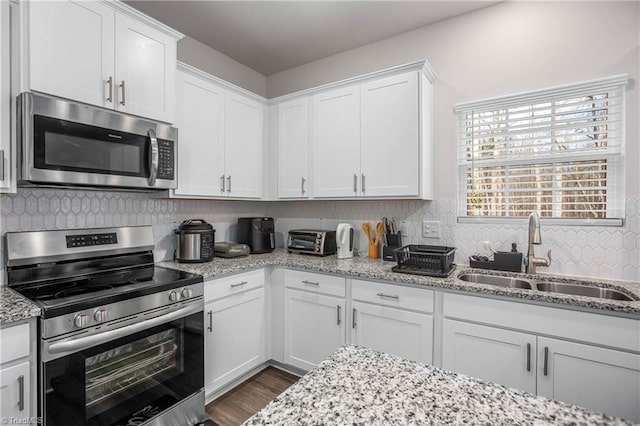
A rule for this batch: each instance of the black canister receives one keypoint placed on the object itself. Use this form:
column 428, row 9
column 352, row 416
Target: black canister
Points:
column 195, row 239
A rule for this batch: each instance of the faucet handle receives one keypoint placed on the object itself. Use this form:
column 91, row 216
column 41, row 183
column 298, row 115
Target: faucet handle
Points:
column 548, row 260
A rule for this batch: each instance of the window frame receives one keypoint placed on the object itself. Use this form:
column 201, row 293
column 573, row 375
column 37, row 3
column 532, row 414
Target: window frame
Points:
column 615, row 202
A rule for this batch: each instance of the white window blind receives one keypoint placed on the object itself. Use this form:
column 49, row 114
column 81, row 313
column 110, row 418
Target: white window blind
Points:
column 557, row 151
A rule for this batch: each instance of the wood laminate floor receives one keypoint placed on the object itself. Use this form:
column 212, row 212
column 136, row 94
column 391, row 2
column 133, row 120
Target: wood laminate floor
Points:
column 243, row 401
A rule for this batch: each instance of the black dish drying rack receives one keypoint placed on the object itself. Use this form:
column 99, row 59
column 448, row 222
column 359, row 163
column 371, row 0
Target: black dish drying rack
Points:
column 419, row 259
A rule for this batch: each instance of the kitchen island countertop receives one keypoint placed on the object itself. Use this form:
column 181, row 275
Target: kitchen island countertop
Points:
column 361, row 386
column 377, row 269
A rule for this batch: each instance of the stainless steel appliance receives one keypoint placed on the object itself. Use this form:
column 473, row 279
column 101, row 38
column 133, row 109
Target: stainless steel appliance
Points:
column 121, row 340
column 312, row 241
column 195, row 240
column 344, row 236
column 258, row 233
column 65, row 143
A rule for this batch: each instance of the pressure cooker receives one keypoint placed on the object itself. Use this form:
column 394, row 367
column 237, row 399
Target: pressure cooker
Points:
column 195, row 240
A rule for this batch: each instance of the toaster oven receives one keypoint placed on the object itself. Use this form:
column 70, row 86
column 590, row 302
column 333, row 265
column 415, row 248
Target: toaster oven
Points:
column 312, row 241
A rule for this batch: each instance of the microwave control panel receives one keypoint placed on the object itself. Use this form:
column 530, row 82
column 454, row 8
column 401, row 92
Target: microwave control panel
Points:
column 166, row 157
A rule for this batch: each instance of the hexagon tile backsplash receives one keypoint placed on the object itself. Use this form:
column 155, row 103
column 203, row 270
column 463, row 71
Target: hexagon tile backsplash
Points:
column 594, row 251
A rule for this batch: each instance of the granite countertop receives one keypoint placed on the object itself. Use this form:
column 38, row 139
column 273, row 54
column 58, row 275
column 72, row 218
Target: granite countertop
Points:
column 14, row 307
column 361, row 386
column 377, row 269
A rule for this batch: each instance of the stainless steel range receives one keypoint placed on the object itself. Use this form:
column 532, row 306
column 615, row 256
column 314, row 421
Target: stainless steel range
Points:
column 121, row 340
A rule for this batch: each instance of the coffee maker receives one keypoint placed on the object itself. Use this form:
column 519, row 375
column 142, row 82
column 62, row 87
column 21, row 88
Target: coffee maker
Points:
column 258, row 233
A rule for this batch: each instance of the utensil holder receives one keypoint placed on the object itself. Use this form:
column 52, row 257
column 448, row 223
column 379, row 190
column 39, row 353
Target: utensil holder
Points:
column 374, row 253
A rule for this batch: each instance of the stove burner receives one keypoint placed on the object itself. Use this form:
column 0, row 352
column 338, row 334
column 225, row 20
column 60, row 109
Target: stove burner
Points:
column 75, row 291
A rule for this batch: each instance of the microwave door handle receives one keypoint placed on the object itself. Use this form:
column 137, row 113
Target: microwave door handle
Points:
column 153, row 158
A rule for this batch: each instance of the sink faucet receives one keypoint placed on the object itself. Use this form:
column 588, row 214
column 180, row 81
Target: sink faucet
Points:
column 531, row 261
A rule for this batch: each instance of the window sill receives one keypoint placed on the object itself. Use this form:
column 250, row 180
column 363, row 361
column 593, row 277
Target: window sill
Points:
column 486, row 220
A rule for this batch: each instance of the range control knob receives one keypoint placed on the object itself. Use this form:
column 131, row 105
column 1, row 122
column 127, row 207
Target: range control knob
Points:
column 81, row 320
column 187, row 293
column 100, row 315
column 174, row 296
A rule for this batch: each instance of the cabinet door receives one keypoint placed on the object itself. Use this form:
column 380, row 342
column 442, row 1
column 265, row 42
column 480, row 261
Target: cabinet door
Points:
column 336, row 143
column 234, row 337
column 403, row 333
column 15, row 391
column 244, row 120
column 314, row 327
column 600, row 379
column 71, row 46
column 390, row 142
column 488, row 353
column 145, row 70
column 200, row 120
column 5, row 96
column 293, row 149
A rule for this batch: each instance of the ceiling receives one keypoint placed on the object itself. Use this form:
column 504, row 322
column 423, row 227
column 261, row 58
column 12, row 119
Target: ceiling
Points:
column 272, row 36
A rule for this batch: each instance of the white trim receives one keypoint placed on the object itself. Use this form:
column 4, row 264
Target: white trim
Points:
column 220, row 82
column 546, row 221
column 532, row 96
column 121, row 7
column 422, row 66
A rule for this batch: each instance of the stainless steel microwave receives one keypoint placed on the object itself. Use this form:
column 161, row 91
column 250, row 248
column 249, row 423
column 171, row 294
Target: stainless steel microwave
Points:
column 64, row 143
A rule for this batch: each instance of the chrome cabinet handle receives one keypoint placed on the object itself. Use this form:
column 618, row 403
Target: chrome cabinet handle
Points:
column 528, row 356
column 363, row 177
column 389, row 296
column 339, row 310
column 546, row 360
column 229, row 183
column 310, row 282
column 355, row 183
column 303, row 181
column 353, row 322
column 1, row 164
column 222, row 179
column 239, row 284
column 21, row 393
column 124, row 93
column 110, row 83
column 210, row 328
column 154, row 159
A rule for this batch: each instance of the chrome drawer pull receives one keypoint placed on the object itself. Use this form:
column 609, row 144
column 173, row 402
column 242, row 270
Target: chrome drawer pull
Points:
column 21, row 393
column 389, row 296
column 528, row 356
column 210, row 328
column 339, row 314
column 353, row 323
column 239, row 284
column 310, row 282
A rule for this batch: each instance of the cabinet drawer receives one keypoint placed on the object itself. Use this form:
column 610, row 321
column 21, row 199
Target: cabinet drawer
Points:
column 15, row 342
column 222, row 287
column 396, row 296
column 317, row 283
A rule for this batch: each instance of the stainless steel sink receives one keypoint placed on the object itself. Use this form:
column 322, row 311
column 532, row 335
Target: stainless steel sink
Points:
column 583, row 290
column 496, row 280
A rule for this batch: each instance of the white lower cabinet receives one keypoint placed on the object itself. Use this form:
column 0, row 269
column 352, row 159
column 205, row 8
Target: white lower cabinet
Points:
column 17, row 384
column 601, row 379
column 395, row 331
column 14, row 391
column 234, row 333
column 489, row 353
column 314, row 327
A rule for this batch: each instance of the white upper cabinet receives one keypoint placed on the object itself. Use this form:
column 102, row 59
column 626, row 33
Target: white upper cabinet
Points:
column 100, row 53
column 200, row 121
column 244, row 140
column 144, row 70
column 220, row 138
column 390, row 137
column 336, row 143
column 293, row 148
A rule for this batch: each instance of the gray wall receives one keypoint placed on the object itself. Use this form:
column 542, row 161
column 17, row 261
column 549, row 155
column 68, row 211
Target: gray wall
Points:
column 507, row 48
column 203, row 57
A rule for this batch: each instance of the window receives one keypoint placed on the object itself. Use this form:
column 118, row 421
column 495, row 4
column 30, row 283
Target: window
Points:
column 557, row 151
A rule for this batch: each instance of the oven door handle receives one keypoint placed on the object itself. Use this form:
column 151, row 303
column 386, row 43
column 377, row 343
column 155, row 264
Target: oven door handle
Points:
column 81, row 343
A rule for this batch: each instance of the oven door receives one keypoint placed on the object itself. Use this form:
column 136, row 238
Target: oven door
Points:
column 68, row 143
column 128, row 380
